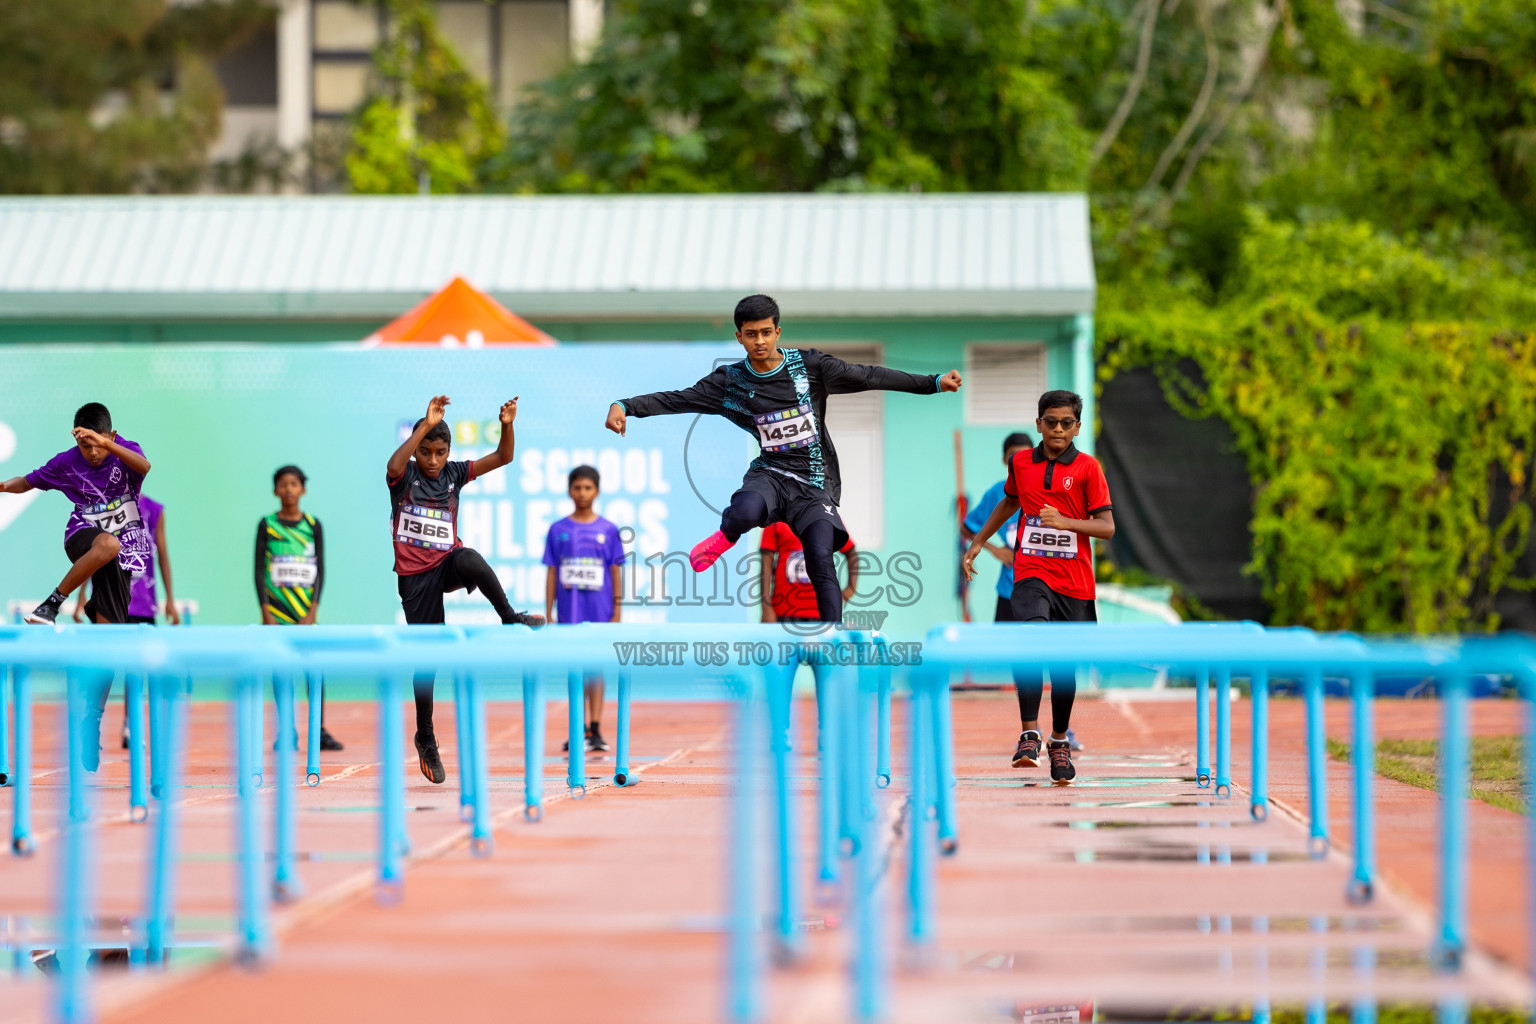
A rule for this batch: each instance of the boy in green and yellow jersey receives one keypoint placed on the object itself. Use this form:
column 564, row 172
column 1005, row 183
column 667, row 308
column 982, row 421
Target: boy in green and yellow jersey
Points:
column 290, row 565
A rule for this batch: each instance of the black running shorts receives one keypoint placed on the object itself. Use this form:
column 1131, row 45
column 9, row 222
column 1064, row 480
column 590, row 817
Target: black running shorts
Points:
column 421, row 593
column 109, row 584
column 1033, row 601
column 795, row 503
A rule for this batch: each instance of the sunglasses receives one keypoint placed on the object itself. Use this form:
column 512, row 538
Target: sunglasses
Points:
column 1052, row 424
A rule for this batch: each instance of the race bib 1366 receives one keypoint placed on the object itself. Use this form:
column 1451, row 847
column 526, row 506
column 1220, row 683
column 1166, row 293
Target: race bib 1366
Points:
column 425, row 527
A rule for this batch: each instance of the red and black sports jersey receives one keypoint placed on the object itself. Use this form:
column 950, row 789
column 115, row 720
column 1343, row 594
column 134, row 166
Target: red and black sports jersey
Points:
column 792, row 596
column 1075, row 486
column 423, row 515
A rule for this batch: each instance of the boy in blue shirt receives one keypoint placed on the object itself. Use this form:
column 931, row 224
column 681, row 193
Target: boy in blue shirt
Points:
column 583, row 584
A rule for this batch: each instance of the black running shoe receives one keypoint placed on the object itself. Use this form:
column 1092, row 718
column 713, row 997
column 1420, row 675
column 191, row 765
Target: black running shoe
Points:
column 431, row 763
column 595, row 741
column 528, row 619
column 1027, row 753
column 43, row 615
column 1062, row 772
column 329, row 742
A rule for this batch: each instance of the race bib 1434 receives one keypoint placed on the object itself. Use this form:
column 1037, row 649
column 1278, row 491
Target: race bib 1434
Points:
column 425, row 527
column 1045, row 542
column 786, row 429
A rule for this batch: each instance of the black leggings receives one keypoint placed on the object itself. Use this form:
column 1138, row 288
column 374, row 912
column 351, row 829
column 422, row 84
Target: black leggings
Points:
column 1030, row 685
column 748, row 511
column 467, row 568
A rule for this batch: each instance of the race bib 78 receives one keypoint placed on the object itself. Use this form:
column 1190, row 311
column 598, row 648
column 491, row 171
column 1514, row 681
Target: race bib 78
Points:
column 113, row 517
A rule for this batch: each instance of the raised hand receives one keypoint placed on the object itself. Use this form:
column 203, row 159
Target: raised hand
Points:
column 616, row 419
column 950, row 381
column 435, row 410
column 509, row 411
column 90, row 437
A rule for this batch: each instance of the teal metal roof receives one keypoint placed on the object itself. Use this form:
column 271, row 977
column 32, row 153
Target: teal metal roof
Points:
column 551, row 257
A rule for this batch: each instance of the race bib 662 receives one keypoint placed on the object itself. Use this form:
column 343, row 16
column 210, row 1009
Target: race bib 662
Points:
column 1044, row 541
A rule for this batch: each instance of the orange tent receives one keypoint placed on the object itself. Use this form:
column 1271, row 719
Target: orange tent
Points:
column 460, row 315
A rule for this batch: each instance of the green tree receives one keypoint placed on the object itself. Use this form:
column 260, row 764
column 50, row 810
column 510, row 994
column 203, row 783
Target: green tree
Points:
column 427, row 119
column 762, row 95
column 113, row 95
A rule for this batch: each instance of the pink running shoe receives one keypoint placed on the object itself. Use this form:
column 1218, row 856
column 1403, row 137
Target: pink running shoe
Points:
column 707, row 551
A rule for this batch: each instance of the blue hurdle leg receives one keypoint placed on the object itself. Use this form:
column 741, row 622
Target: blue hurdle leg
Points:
column 248, row 708
column 138, row 805
column 920, row 851
column 1362, row 884
column 827, row 793
column 576, row 747
column 392, row 791
column 744, row 968
column 464, row 731
column 1455, row 752
column 1317, row 1003
column 158, row 688
column 883, row 725
column 285, row 881
column 1363, row 1010
column 5, row 725
column 160, row 914
column 1203, row 726
column 780, row 728
column 74, row 880
column 621, row 741
column 868, row 963
column 944, row 765
column 21, row 819
column 1317, row 765
column 1224, row 731
column 533, row 747
column 480, row 842
column 1258, row 801
column 844, row 687
column 316, row 710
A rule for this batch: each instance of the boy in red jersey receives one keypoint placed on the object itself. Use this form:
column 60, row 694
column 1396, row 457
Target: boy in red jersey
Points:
column 430, row 559
column 1065, row 501
column 787, row 592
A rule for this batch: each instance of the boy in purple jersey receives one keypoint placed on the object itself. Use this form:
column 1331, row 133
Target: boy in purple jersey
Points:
column 143, row 601
column 583, row 584
column 105, row 538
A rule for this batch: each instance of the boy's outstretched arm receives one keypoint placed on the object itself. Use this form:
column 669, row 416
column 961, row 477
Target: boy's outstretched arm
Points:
column 843, row 378
column 402, row 456
column 15, row 485
column 704, row 397
column 506, row 446
column 1000, row 515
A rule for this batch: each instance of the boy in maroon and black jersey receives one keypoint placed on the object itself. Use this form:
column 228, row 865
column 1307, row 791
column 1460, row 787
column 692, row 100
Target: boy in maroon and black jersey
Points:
column 1064, row 500
column 430, row 560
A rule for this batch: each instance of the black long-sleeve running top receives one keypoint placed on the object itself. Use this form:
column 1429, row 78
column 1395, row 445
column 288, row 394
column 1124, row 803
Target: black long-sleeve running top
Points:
column 786, row 408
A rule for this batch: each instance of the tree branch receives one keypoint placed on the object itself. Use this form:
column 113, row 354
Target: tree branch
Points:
column 1202, row 101
column 1239, row 96
column 1133, row 88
